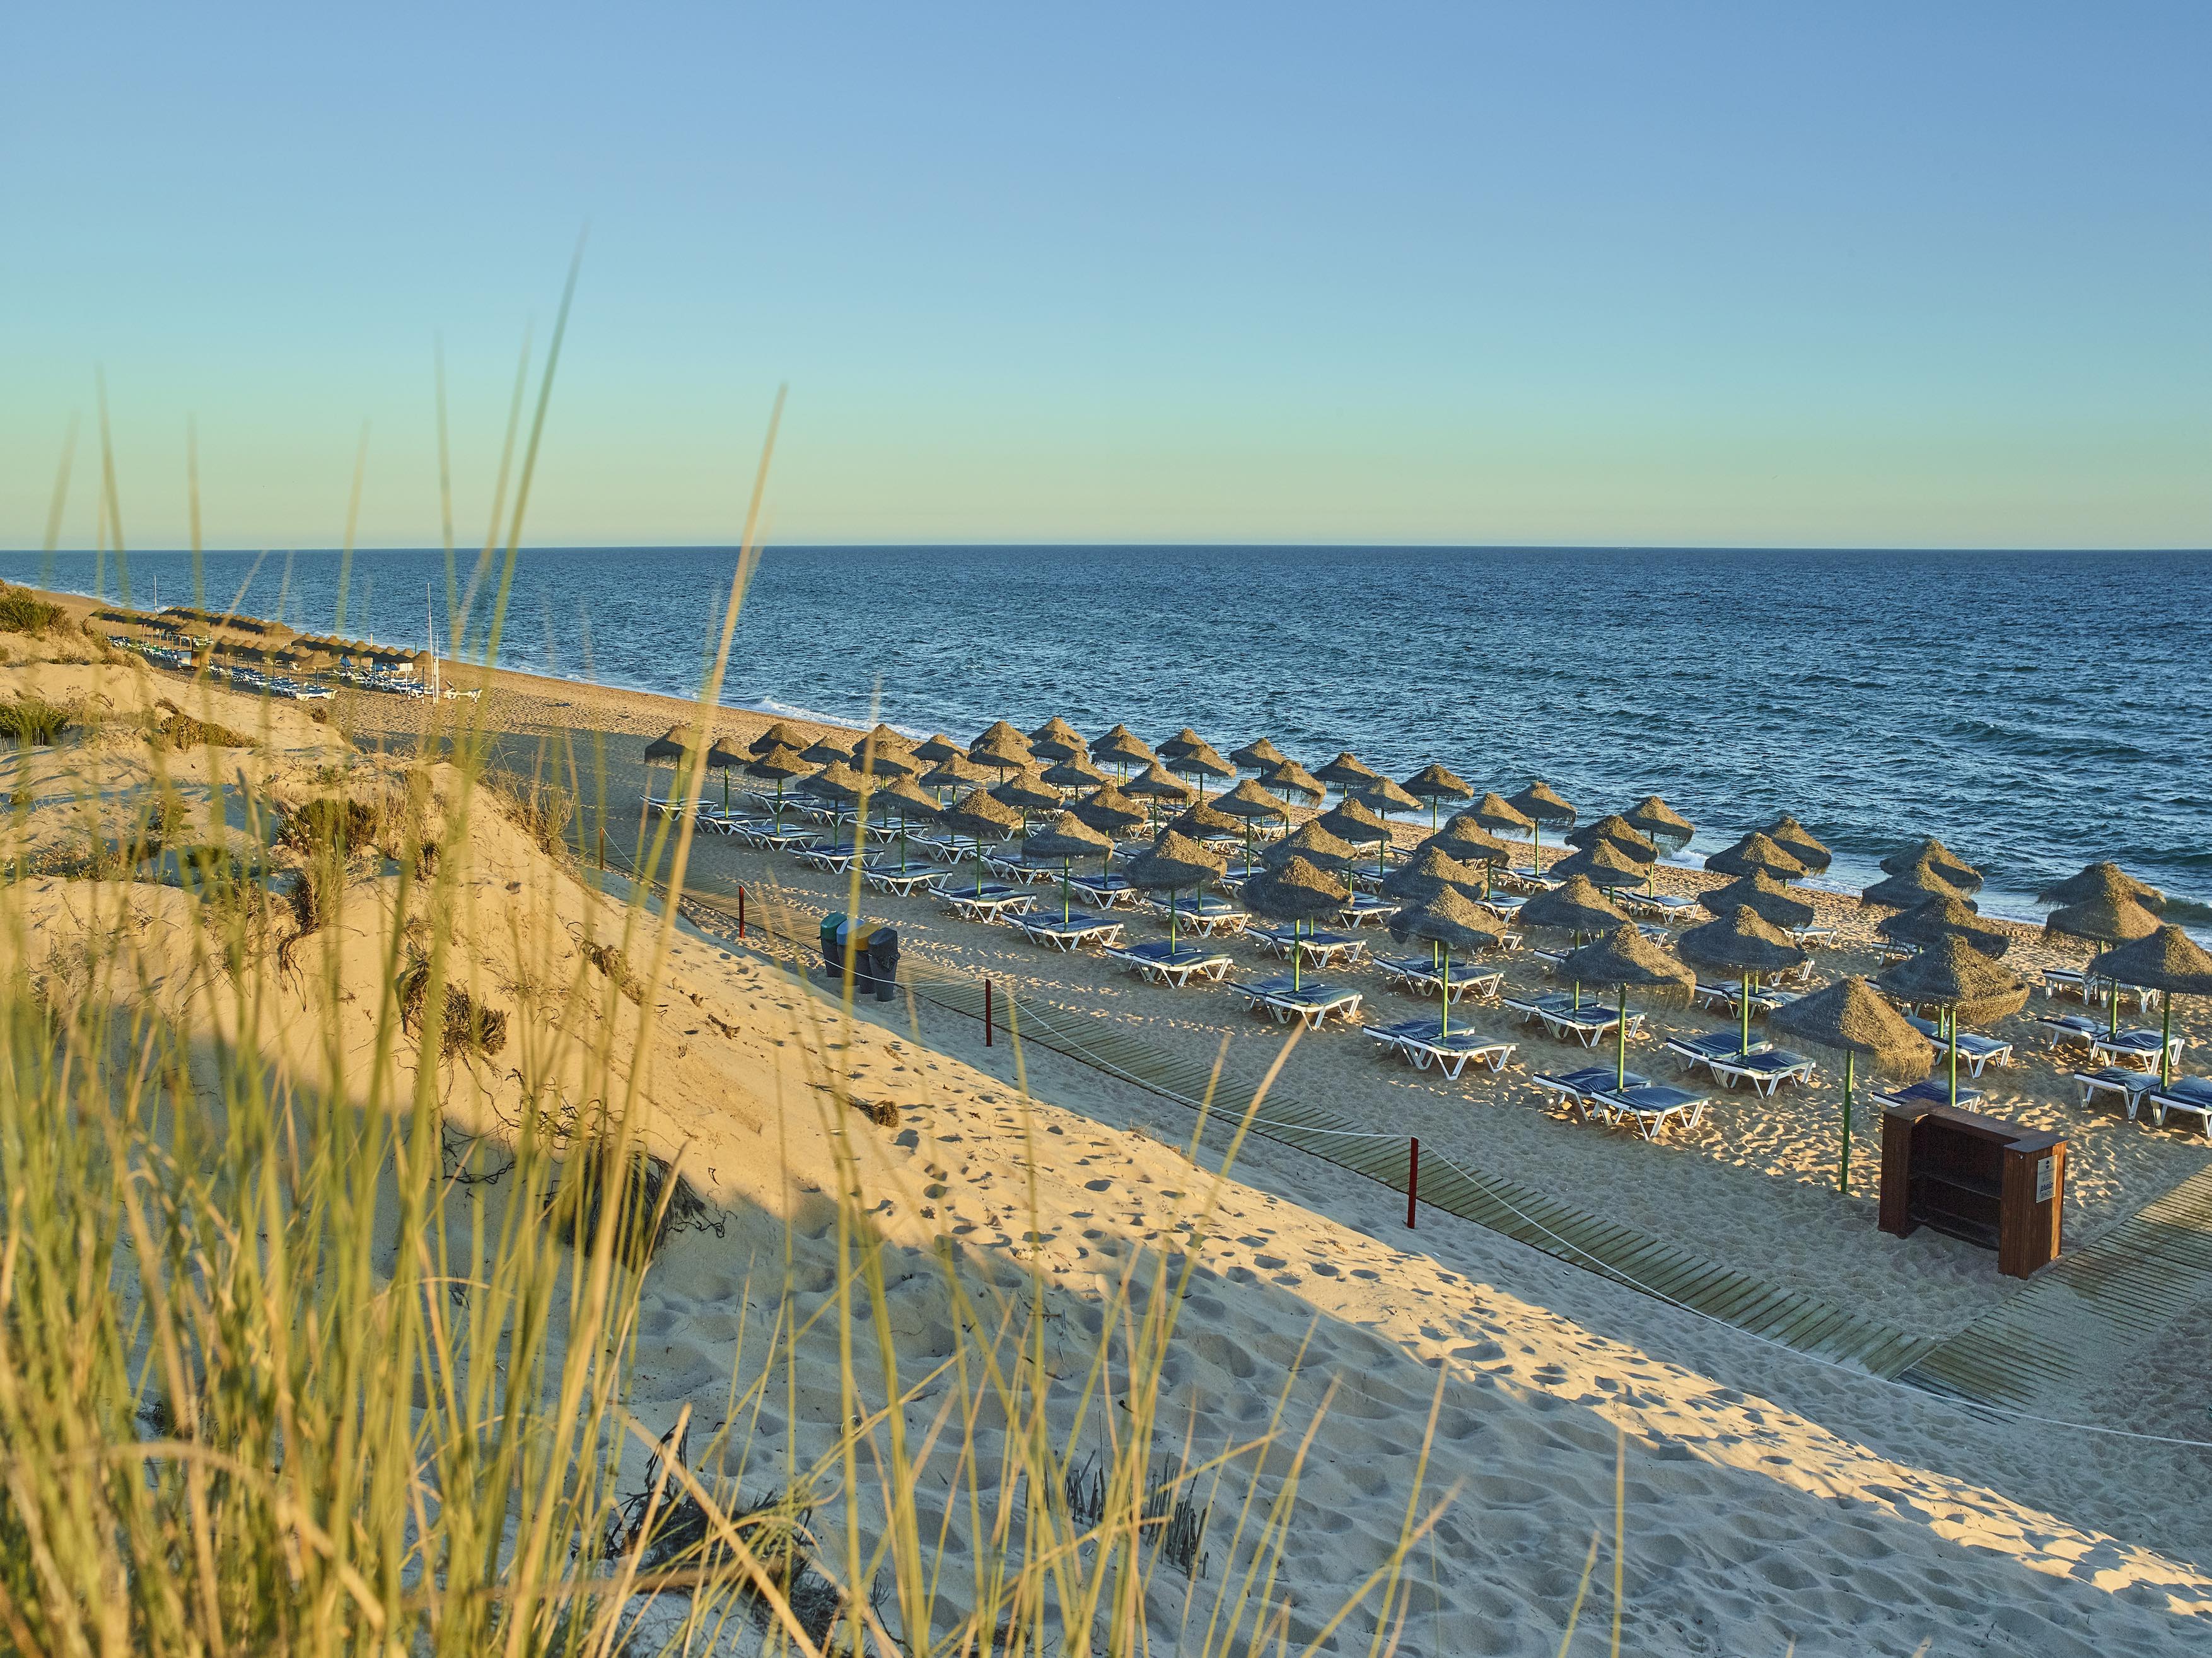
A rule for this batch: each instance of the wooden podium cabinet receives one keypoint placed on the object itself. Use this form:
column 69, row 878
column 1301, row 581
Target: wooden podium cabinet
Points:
column 1988, row 1181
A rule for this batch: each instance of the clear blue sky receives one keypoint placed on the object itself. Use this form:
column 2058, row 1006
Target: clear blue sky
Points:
column 1757, row 274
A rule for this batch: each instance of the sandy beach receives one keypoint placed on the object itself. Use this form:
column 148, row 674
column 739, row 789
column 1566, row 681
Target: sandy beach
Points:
column 1769, row 1499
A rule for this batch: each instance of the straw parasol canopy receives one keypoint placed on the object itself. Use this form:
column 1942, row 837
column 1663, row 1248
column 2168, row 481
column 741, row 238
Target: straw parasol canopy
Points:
column 1602, row 864
column 1429, row 871
column 780, row 735
column 1074, row 773
column 1623, row 834
column 1201, row 819
column 1659, row 820
column 1624, row 958
column 1347, row 772
column 1027, row 790
column 888, row 763
column 1495, row 813
column 1200, row 762
column 939, row 748
column 1756, row 851
column 1463, row 837
column 1067, row 838
column 1109, row 810
column 1247, row 799
column 1291, row 778
column 1258, row 755
column 1315, row 843
column 1449, row 918
column 1386, row 797
column 1297, row 890
column 1952, row 974
column 1914, row 885
column 1793, row 838
column 1573, row 906
column 1003, row 757
column 1175, row 862
column 725, row 761
column 1741, row 943
column 1848, row 1018
column 887, row 738
column 1955, row 870
column 824, row 752
column 1433, row 782
column 1057, row 730
column 2168, row 961
column 839, row 781
column 670, row 745
column 1354, row 820
column 1764, row 895
column 1153, row 783
column 907, row 797
column 1924, row 924
column 981, row 816
column 1181, row 743
column 777, row 764
column 1122, row 747
column 955, row 772
column 2108, row 916
column 2102, row 881
column 1543, row 803
column 1000, row 735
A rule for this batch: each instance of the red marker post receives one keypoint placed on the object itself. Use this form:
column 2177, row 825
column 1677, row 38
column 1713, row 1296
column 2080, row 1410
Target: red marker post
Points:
column 741, row 912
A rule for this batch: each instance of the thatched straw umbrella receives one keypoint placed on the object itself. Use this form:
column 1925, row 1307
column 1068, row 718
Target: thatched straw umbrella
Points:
column 1542, row 803
column 1201, row 819
column 1756, row 851
column 999, row 734
column 887, row 738
column 1603, row 863
column 725, row 761
column 1741, row 943
column 1468, row 842
column 1250, row 802
column 1351, row 819
column 1914, row 885
column 1056, row 739
column 1623, row 956
column 1181, row 743
column 1175, row 862
column 1122, row 748
column 1314, row 843
column 887, row 763
column 1499, row 815
column 1154, row 784
column 1956, row 871
column 781, row 735
column 840, row 781
column 1259, row 755
column 1027, row 792
column 1290, row 778
column 937, row 750
column 778, row 765
column 1924, row 924
column 2109, row 917
column 1433, row 784
column 1449, row 920
column 1384, row 796
column 1075, row 773
column 2099, row 881
column 1952, row 975
column 907, row 798
column 1793, row 838
column 1574, row 907
column 1623, row 834
column 955, row 772
column 1346, row 772
column 670, row 747
column 2167, row 961
column 1659, row 820
column 1004, row 757
column 825, row 752
column 1109, row 810
column 1763, row 895
column 1297, row 890
column 1847, row 1017
column 979, row 817
column 1429, row 871
column 1202, row 762
column 1067, row 838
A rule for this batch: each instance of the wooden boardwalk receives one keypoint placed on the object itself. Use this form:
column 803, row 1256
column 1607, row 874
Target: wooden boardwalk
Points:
column 2087, row 1312
column 1650, row 1265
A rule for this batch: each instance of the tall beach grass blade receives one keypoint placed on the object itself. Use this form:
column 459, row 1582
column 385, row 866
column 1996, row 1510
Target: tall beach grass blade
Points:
column 57, row 503
column 107, row 481
column 352, row 527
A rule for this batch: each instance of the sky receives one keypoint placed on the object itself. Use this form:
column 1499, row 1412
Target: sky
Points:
column 1873, row 275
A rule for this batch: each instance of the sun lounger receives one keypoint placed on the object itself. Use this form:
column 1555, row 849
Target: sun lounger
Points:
column 1976, row 1051
column 2130, row 1085
column 2069, row 1027
column 1577, row 1088
column 1766, row 1070
column 1929, row 1092
column 1531, row 1008
column 1069, row 933
column 1104, row 891
column 1367, row 910
column 836, row 857
column 773, row 839
column 1587, row 1024
column 1661, row 904
column 2073, row 981
column 1704, row 1049
column 903, row 882
column 1209, row 916
column 988, row 905
column 1157, row 964
column 1808, row 938
column 1728, row 996
column 2190, row 1096
column 1425, row 1043
column 1310, row 1002
column 1418, row 975
column 1323, row 949
column 2143, row 1047
column 1649, row 1110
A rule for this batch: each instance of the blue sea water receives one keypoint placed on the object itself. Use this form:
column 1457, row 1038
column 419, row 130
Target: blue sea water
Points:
column 2036, row 710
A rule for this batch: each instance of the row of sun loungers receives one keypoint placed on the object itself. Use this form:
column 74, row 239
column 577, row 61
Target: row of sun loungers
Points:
column 1309, row 1001
column 1589, row 1024
column 1721, row 1054
column 1600, row 1093
column 1425, row 1043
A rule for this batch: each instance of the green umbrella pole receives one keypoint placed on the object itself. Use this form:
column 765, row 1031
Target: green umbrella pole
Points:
column 2113, row 985
column 2165, row 1045
column 1444, row 1020
column 725, row 789
column 1298, row 954
column 1844, row 1168
column 1174, row 893
column 1744, row 992
column 1620, row 1030
column 1952, row 1026
column 979, row 866
column 1067, row 910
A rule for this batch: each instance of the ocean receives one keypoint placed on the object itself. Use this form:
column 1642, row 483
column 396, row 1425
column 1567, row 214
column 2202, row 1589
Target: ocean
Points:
column 2036, row 710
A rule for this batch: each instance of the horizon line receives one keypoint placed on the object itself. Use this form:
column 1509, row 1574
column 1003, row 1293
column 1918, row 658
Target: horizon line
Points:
column 2182, row 548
